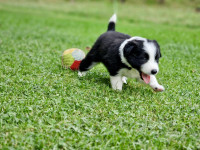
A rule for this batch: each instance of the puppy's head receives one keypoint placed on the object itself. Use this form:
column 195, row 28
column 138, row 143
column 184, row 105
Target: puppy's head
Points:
column 143, row 55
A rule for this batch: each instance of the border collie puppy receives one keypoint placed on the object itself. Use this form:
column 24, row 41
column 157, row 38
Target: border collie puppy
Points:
column 124, row 56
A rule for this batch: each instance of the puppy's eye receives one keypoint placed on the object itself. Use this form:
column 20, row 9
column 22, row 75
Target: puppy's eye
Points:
column 146, row 56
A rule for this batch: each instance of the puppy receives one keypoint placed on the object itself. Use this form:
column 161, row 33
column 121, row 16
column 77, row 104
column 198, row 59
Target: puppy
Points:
column 124, row 56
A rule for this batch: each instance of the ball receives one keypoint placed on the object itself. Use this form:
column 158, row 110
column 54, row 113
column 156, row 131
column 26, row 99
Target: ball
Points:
column 71, row 58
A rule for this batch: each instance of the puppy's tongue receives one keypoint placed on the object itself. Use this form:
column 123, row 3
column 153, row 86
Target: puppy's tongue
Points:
column 146, row 78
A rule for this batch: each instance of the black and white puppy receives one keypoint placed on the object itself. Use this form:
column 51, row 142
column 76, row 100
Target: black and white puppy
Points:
column 124, row 56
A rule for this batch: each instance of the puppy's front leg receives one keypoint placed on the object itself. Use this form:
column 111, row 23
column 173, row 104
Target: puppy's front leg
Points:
column 116, row 82
column 124, row 79
column 155, row 85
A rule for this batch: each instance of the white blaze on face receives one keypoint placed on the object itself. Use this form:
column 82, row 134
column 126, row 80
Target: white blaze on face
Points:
column 151, row 64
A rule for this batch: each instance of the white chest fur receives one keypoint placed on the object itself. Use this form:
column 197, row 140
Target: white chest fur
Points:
column 133, row 73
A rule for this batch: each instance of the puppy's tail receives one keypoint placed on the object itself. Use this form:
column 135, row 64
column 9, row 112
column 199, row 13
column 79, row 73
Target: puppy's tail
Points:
column 112, row 22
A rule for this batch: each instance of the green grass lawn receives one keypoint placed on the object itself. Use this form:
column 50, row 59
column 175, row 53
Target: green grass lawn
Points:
column 43, row 106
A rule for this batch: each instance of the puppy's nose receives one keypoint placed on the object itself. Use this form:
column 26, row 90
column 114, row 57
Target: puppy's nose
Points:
column 154, row 71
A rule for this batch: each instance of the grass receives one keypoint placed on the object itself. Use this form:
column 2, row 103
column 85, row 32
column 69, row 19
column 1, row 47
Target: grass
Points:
column 43, row 106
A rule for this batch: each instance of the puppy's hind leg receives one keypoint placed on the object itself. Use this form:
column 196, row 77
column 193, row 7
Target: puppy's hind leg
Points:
column 86, row 64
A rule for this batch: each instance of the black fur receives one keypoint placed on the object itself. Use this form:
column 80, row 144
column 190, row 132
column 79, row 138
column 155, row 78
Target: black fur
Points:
column 158, row 53
column 134, row 53
column 111, row 26
column 106, row 50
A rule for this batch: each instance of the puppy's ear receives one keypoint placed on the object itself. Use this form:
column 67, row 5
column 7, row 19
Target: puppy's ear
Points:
column 130, row 47
column 157, row 46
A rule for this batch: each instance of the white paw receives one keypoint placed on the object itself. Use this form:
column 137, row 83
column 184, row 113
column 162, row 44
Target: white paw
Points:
column 81, row 74
column 158, row 88
column 117, row 89
column 124, row 80
column 116, row 82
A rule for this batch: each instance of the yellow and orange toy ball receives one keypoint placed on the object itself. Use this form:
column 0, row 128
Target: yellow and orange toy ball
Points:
column 71, row 58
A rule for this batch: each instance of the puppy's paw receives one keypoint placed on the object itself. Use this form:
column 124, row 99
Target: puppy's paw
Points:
column 81, row 74
column 117, row 88
column 159, row 88
column 124, row 79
